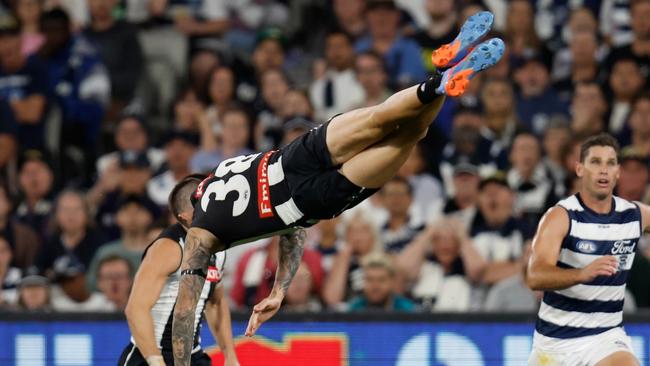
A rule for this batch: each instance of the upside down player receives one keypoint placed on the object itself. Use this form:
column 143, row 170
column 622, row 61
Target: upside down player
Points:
column 582, row 253
column 150, row 306
column 318, row 176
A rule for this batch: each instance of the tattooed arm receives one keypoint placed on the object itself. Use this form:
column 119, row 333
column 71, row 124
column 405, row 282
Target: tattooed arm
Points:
column 291, row 249
column 199, row 245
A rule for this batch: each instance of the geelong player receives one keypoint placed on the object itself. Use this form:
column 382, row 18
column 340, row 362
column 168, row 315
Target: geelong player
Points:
column 150, row 306
column 582, row 253
column 318, row 176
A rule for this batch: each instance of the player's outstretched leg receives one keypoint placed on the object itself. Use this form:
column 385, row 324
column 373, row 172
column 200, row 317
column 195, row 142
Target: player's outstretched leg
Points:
column 375, row 165
column 415, row 107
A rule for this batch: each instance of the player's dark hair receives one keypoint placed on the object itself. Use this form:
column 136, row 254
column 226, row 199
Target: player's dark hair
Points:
column 603, row 139
column 180, row 196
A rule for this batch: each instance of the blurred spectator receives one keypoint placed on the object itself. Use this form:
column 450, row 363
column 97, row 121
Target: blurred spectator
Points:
column 120, row 51
column 498, row 102
column 512, row 294
column 300, row 294
column 230, row 141
column 202, row 64
column 402, row 55
column 327, row 242
column 588, row 110
column 255, row 273
column 80, row 87
column 76, row 9
column 440, row 265
column 179, row 149
column 462, row 204
column 10, row 276
column 134, row 217
column 552, row 20
column 584, row 64
column 130, row 178
column 529, row 179
column 441, row 30
column 188, row 110
column 296, row 127
column 338, row 90
column 28, row 13
column 401, row 227
column 130, row 135
column 372, row 75
column 8, row 145
column 556, row 137
column 73, row 234
column 220, row 95
column 378, row 287
column 497, row 234
column 427, row 190
column 626, row 82
column 350, row 16
column 537, row 101
column 24, row 242
column 634, row 176
column 297, row 104
column 36, row 181
column 69, row 293
column 640, row 125
column 637, row 46
column 581, row 21
column 246, row 16
column 34, row 294
column 345, row 279
column 268, row 130
column 615, row 22
column 472, row 142
column 114, row 280
column 521, row 37
column 23, row 89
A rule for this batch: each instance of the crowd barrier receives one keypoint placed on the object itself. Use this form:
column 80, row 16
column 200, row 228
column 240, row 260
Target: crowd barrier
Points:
column 322, row 339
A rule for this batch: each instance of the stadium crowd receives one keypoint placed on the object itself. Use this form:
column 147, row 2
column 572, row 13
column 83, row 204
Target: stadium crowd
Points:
column 106, row 104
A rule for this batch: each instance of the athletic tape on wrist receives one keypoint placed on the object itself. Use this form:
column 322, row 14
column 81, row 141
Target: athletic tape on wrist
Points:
column 196, row 272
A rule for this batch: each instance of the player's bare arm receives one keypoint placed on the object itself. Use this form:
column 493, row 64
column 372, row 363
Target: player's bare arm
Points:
column 291, row 249
column 543, row 273
column 645, row 216
column 199, row 246
column 217, row 313
column 162, row 259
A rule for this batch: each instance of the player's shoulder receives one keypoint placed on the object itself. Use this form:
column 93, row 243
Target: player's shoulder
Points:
column 167, row 242
column 556, row 218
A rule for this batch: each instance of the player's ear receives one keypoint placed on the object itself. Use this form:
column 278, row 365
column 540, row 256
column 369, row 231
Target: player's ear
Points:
column 580, row 169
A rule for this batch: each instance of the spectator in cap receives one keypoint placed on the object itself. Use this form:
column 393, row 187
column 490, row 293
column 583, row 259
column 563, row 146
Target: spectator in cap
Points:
column 131, row 178
column 295, row 127
column 34, row 294
column 402, row 55
column 230, row 141
column 130, row 134
column 23, row 88
column 400, row 227
column 531, row 182
column 28, row 13
column 626, row 82
column 379, row 277
column 36, row 181
column 338, row 90
column 22, row 239
column 179, row 149
column 134, row 217
column 462, row 204
column 441, row 29
column 427, row 190
column 114, row 280
column 69, row 292
column 639, row 124
column 634, row 175
column 440, row 266
column 496, row 233
column 371, row 72
column 80, row 88
column 556, row 137
column 10, row 276
column 72, row 234
column 588, row 110
column 537, row 101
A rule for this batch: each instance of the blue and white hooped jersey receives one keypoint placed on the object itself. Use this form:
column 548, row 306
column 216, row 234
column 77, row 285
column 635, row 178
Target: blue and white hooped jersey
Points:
column 597, row 306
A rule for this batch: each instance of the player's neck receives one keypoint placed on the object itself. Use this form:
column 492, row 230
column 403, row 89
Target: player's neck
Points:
column 599, row 206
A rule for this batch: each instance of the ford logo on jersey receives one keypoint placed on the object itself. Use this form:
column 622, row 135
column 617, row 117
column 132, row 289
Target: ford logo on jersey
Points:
column 586, row 246
column 623, row 247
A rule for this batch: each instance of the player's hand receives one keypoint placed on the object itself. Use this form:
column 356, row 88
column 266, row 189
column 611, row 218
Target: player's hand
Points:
column 604, row 266
column 263, row 312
